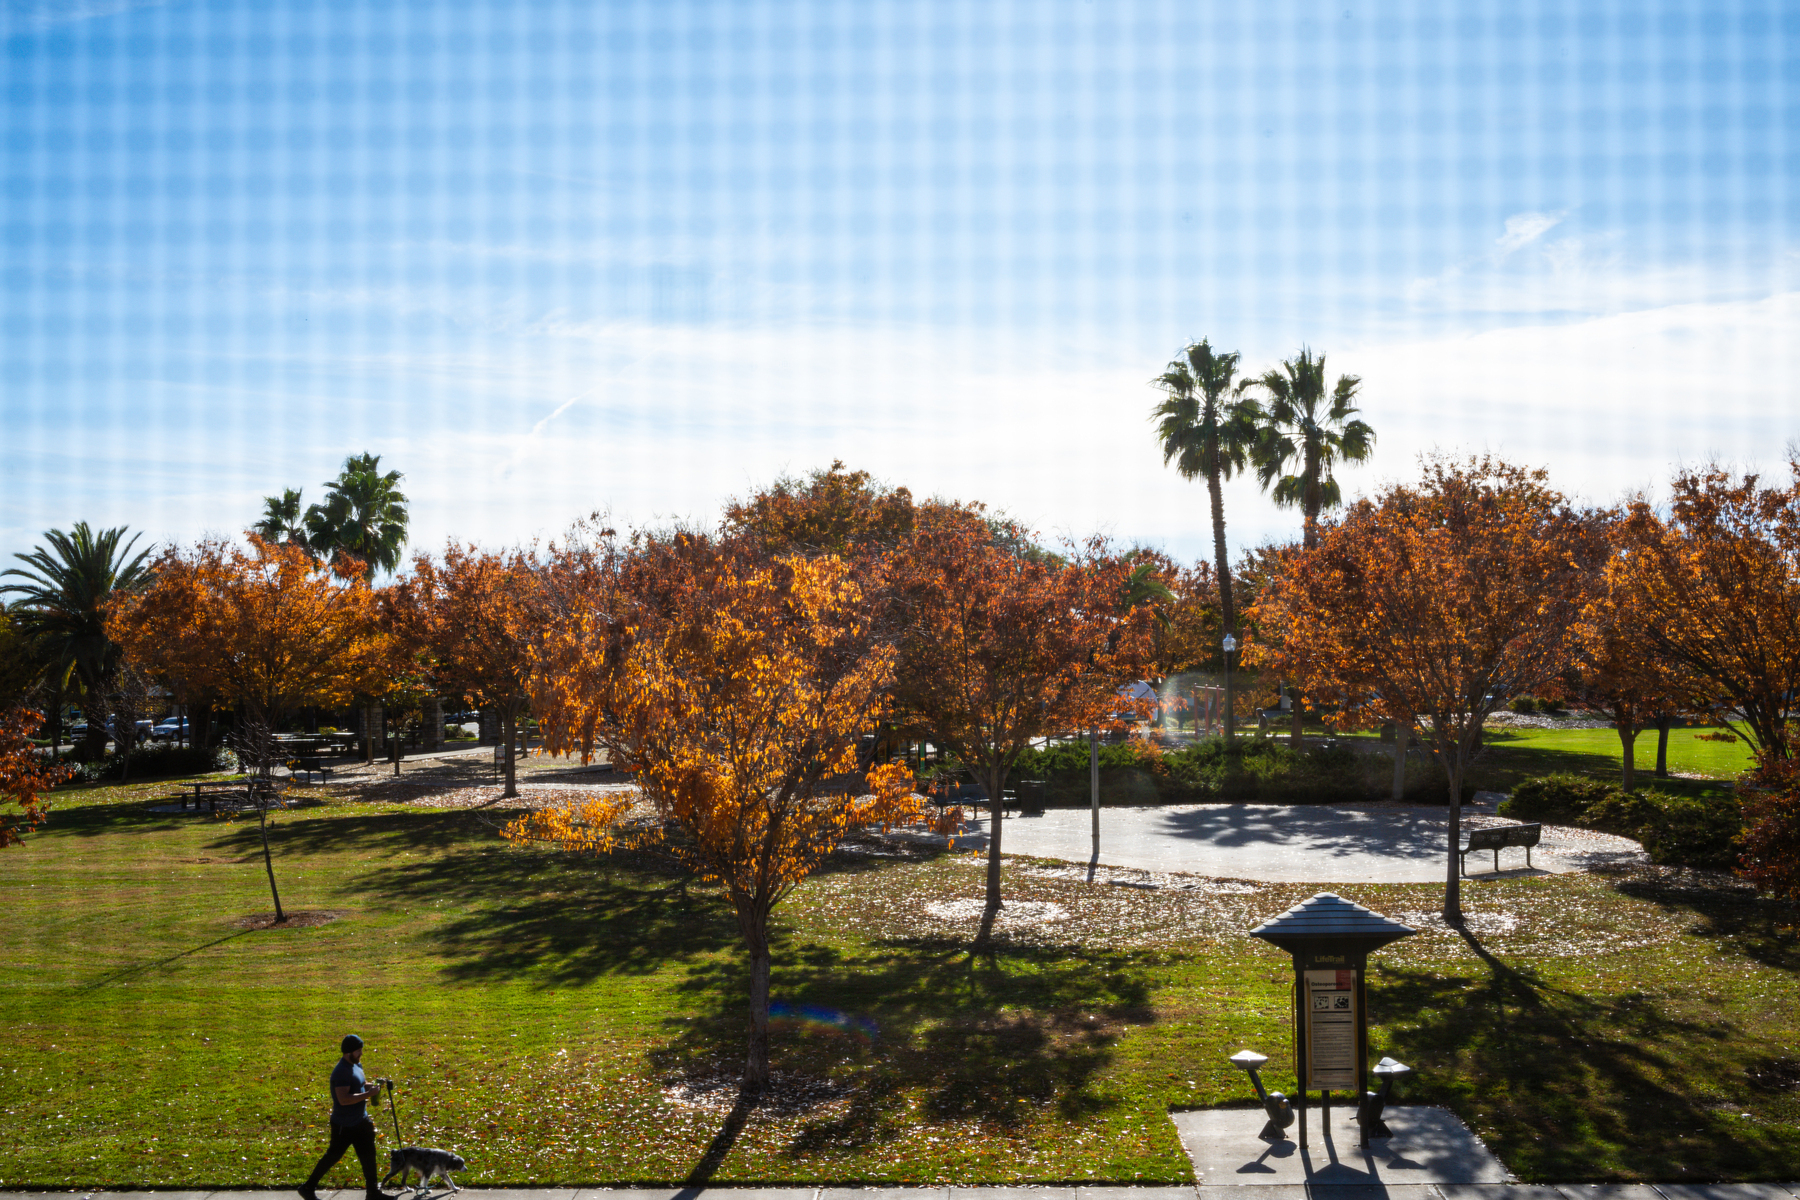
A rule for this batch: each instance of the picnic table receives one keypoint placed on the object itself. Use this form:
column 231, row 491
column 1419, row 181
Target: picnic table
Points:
column 252, row 790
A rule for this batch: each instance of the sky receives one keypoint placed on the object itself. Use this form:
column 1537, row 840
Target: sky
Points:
column 550, row 259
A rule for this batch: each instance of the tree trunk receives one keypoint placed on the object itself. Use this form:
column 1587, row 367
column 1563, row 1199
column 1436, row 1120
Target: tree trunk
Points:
column 1453, row 878
column 996, row 786
column 509, row 733
column 269, row 863
column 200, row 733
column 1299, row 715
column 1222, row 564
column 1663, row 722
column 1628, row 739
column 1401, row 735
column 756, row 1060
column 434, row 723
column 1094, row 795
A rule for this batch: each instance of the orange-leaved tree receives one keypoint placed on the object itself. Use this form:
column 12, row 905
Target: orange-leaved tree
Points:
column 473, row 620
column 23, row 772
column 1001, row 648
column 1432, row 604
column 265, row 626
column 1717, row 585
column 734, row 685
column 836, row 511
column 1619, row 670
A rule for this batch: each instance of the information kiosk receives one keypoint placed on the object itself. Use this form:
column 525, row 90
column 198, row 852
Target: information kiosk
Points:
column 1330, row 939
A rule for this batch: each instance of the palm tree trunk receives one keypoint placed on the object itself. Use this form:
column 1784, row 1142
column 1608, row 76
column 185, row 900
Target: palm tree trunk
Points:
column 1223, row 565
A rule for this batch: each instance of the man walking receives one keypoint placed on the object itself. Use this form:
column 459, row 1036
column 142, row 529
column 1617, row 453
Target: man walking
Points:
column 350, row 1123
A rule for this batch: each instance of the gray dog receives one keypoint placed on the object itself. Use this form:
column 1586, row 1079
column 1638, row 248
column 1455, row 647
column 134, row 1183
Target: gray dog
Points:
column 430, row 1164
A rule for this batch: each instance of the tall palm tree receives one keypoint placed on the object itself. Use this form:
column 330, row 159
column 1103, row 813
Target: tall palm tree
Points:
column 62, row 604
column 281, row 519
column 363, row 516
column 1203, row 433
column 1302, row 436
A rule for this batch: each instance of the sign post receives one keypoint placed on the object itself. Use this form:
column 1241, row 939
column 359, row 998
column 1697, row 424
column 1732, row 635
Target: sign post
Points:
column 1330, row 939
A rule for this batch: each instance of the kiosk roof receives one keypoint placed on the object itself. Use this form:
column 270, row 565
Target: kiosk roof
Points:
column 1330, row 917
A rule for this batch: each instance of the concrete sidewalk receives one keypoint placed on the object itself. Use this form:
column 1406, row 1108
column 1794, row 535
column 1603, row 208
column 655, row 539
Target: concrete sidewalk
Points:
column 1289, row 843
column 1445, row 1191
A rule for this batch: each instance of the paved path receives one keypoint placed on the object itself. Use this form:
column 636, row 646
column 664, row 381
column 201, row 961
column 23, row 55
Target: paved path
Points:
column 1284, row 843
column 1443, row 1191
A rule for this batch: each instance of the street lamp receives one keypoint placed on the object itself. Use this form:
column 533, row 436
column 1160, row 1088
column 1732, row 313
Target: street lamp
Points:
column 1230, row 645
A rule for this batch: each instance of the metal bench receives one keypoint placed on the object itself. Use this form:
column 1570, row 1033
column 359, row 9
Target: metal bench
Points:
column 212, row 790
column 1498, row 838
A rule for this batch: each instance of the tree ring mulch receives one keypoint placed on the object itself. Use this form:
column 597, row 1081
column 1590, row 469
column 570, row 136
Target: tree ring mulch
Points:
column 304, row 919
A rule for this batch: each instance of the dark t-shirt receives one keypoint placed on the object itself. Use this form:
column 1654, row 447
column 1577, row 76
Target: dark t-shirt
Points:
column 350, row 1075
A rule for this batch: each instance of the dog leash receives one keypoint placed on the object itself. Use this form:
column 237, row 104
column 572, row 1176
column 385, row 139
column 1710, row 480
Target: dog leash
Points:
column 391, row 1110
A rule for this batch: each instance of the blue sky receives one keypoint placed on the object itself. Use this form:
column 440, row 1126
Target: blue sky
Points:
column 553, row 258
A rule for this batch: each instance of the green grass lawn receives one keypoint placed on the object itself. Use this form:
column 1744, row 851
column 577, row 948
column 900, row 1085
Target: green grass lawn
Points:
column 537, row 1009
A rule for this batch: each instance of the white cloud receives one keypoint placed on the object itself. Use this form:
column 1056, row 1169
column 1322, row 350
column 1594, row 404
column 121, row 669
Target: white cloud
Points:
column 1524, row 228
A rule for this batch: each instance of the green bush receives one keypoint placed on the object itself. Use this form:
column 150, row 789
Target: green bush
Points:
column 1558, row 799
column 1523, row 704
column 154, row 761
column 1674, row 830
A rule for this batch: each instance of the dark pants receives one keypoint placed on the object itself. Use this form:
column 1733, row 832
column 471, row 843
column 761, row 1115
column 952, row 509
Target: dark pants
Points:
column 343, row 1137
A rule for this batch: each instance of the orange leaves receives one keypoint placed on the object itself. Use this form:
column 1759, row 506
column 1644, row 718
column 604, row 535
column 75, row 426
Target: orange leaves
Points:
column 268, row 627
column 735, row 685
column 23, row 772
column 1717, row 585
column 590, row 826
column 1439, row 600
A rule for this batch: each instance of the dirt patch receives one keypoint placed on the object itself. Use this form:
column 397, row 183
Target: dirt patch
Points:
column 307, row 919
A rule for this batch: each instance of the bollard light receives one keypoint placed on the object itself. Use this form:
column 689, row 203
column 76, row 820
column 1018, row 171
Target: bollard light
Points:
column 1281, row 1113
column 1368, row 1113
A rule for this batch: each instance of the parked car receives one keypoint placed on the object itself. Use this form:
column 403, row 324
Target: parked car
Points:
column 171, row 729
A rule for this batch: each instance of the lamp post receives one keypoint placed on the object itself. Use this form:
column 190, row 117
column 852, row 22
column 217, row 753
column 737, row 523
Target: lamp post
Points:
column 1230, row 645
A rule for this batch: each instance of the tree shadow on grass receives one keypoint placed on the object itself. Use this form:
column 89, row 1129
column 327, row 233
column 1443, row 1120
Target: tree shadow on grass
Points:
column 999, row 1039
column 1728, row 911
column 1567, row 1086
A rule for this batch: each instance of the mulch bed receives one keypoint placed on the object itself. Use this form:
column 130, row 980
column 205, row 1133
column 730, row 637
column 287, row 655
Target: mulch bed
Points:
column 307, row 919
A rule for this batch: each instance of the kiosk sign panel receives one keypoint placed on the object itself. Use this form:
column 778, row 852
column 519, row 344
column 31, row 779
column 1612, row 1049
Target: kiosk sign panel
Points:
column 1332, row 1040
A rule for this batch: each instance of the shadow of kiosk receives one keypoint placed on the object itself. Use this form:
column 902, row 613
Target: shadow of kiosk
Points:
column 1330, row 939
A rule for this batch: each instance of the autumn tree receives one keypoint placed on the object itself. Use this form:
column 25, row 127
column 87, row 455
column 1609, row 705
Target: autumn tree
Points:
column 266, row 626
column 836, row 511
column 1717, row 584
column 734, row 685
column 1432, row 604
column 1001, row 649
column 1619, row 670
column 472, row 621
column 24, row 773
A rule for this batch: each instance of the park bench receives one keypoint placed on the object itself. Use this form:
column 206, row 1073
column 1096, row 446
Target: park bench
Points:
column 1498, row 838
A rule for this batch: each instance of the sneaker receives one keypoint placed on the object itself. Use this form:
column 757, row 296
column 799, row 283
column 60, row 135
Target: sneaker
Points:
column 306, row 1192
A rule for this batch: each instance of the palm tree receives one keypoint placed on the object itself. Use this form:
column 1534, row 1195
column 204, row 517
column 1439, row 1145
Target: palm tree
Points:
column 281, row 520
column 1203, row 434
column 62, row 605
column 1301, row 438
column 363, row 516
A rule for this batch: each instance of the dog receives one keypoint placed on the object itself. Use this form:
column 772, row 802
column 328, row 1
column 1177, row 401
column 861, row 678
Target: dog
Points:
column 430, row 1164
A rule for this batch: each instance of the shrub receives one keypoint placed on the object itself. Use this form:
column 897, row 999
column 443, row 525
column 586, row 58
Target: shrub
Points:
column 1523, row 704
column 1558, row 799
column 1674, row 830
column 1770, row 842
column 150, row 762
